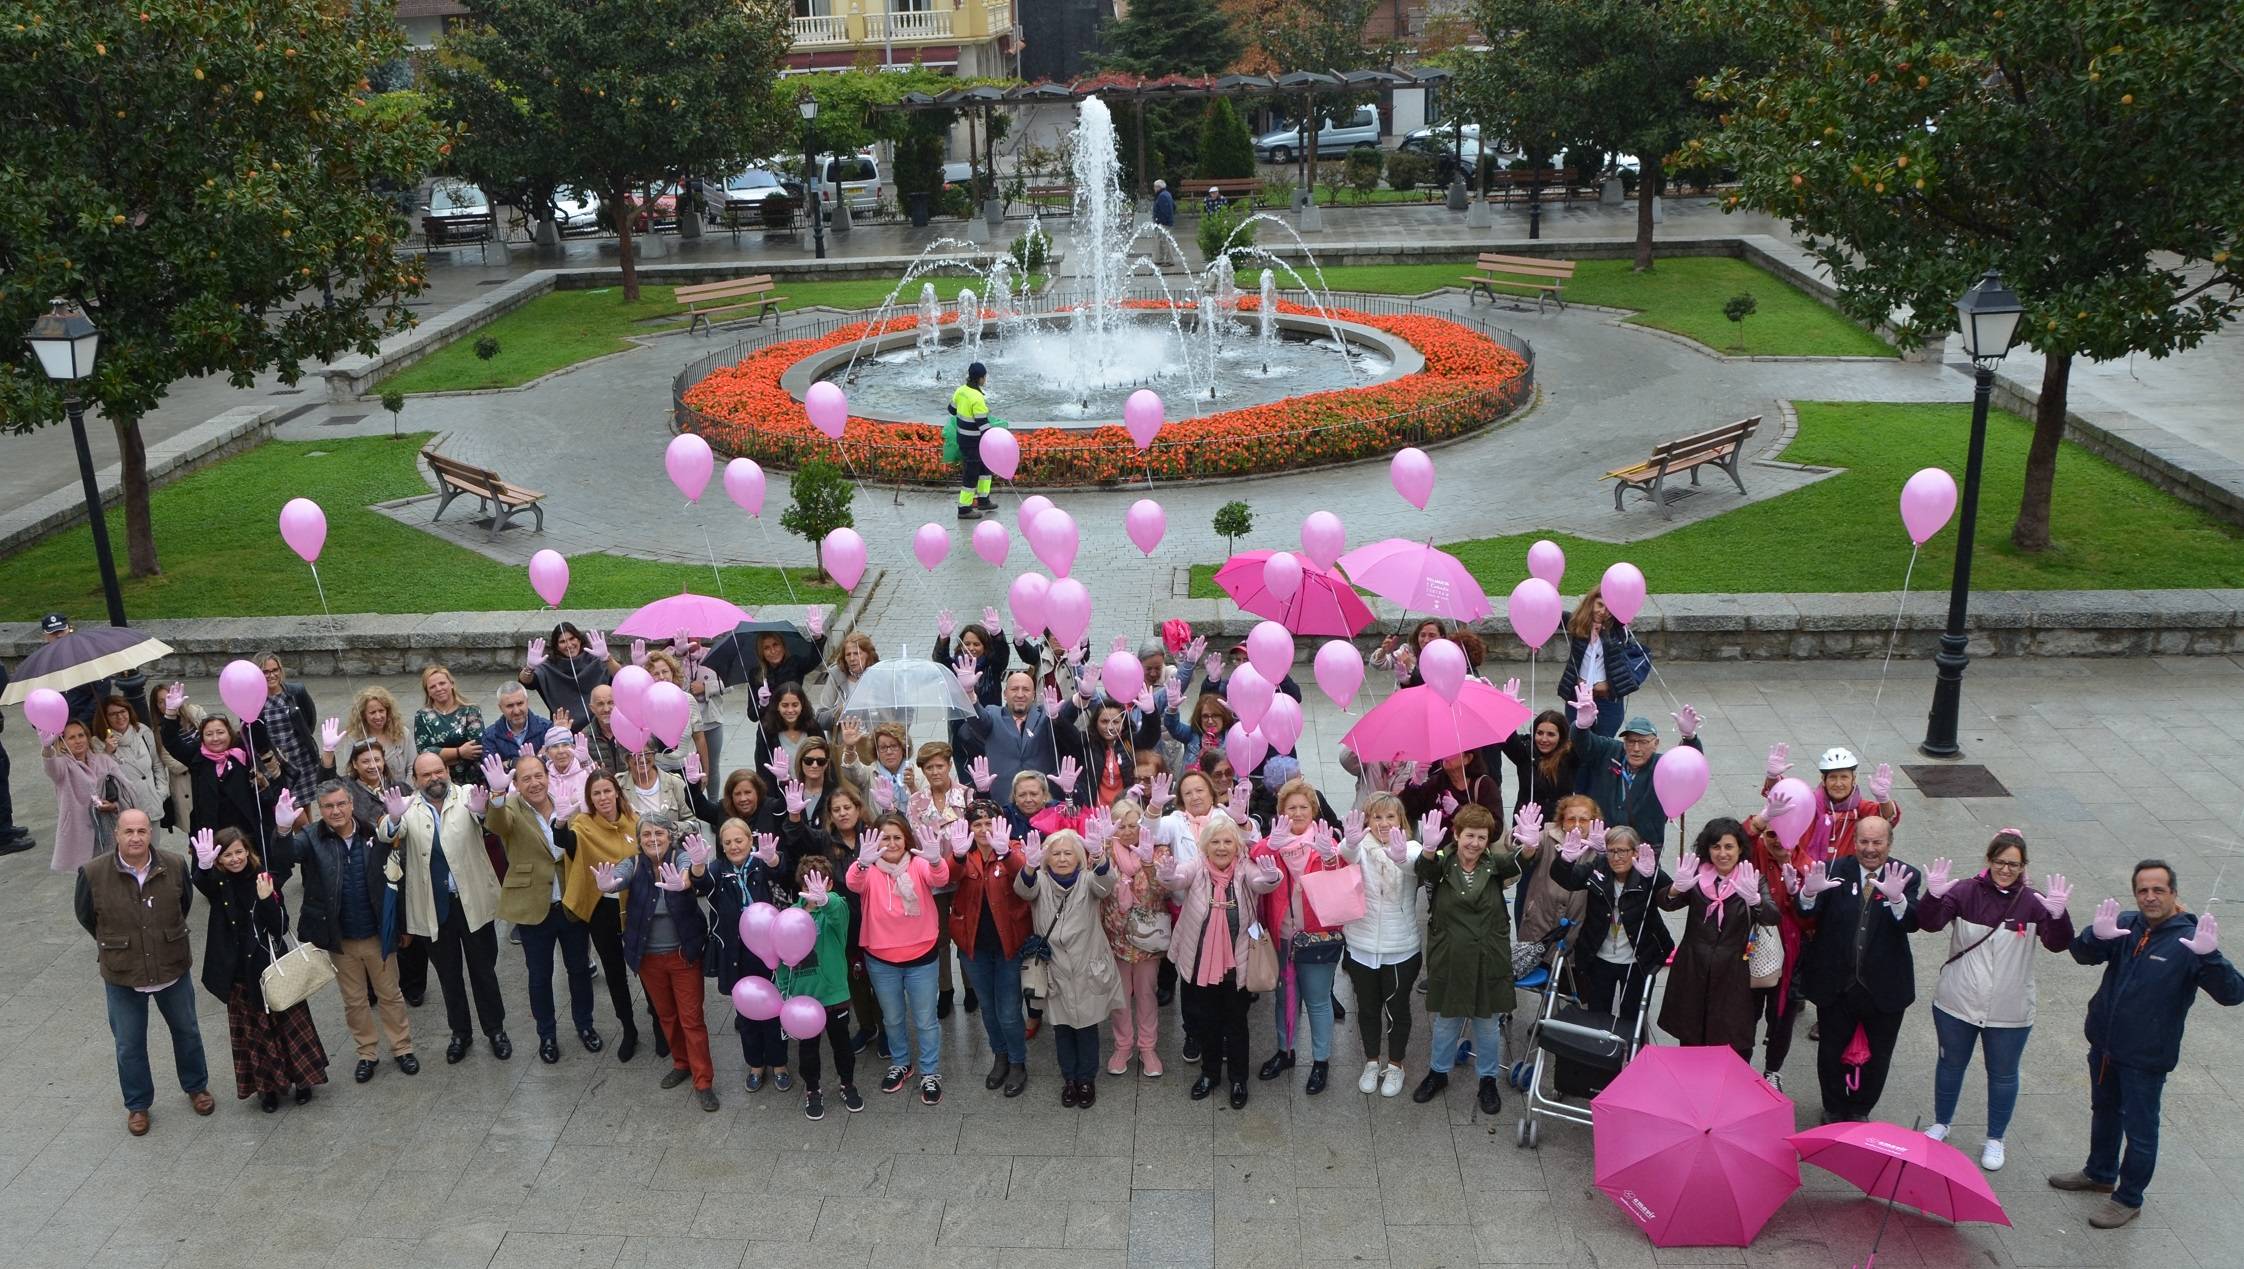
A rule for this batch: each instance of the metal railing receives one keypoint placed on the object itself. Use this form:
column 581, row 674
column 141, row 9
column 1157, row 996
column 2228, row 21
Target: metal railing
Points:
column 909, row 24
column 822, row 29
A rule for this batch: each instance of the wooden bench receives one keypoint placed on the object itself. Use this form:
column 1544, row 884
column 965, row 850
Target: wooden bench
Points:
column 1195, row 192
column 710, row 298
column 1523, row 182
column 500, row 501
column 1039, row 196
column 1723, row 447
column 1544, row 278
column 444, row 231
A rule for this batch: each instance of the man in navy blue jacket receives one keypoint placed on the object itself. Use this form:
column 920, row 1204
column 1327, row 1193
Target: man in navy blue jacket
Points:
column 2156, row 959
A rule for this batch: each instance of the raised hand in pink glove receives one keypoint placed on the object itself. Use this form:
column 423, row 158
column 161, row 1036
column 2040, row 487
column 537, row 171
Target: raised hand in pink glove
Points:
column 1776, row 805
column 945, row 623
column 669, row 877
column 1429, row 829
column 582, row 744
column 868, row 846
column 1001, row 837
column 1687, row 721
column 1235, row 805
column 1527, row 828
column 206, row 849
column 494, row 774
column 1032, row 851
column 816, row 620
column 1686, row 872
column 1144, row 849
column 694, row 770
column 1352, row 829
column 928, row 848
column 993, row 621
column 1645, row 863
column 797, row 797
column 1791, row 877
column 1780, row 755
column 605, row 879
column 330, row 735
column 884, row 795
column 1746, row 880
column 1585, row 705
column 767, row 849
column 763, row 695
column 1070, row 772
column 1881, row 783
column 479, row 798
column 1511, row 689
column 1076, row 654
column 1098, row 826
column 1158, row 796
column 979, row 772
column 1194, row 650
column 639, row 653
column 2055, row 892
column 816, row 890
column 1574, row 846
column 1144, row 703
column 782, row 764
column 597, row 644
column 1397, row 845
column 1051, row 702
column 1893, row 881
column 1268, row 867
column 285, row 812
column 1816, row 880
column 175, row 698
column 1327, row 846
column 2207, row 938
column 968, row 676
column 698, row 852
column 2106, row 924
column 1937, row 882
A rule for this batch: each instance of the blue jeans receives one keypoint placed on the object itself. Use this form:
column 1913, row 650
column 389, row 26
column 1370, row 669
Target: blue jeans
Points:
column 1488, row 1044
column 2004, row 1045
column 1313, row 985
column 128, row 1023
column 909, row 992
column 2122, row 1101
column 575, row 939
column 996, row 978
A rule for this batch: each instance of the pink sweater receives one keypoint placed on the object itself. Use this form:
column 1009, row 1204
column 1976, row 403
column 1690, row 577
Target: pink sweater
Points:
column 886, row 932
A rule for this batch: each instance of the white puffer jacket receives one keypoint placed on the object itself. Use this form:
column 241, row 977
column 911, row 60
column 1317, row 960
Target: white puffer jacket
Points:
column 1388, row 930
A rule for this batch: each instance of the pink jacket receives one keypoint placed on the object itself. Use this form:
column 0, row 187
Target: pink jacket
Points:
column 76, row 783
column 886, row 932
column 1194, row 899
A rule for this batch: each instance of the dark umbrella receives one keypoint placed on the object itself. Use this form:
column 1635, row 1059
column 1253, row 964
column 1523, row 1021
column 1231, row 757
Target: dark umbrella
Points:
column 732, row 656
column 82, row 657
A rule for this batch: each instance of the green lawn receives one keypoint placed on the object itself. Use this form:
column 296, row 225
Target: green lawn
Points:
column 562, row 328
column 1684, row 294
column 218, row 538
column 1844, row 532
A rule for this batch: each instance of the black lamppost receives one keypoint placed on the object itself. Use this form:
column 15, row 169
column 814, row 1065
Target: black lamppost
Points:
column 1988, row 316
column 65, row 339
column 808, row 105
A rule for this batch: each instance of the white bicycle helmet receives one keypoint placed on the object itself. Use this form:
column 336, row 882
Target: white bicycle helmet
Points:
column 1837, row 758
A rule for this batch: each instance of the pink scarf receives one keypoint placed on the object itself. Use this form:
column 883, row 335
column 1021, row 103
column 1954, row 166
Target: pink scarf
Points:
column 903, row 895
column 1717, row 889
column 1216, row 958
column 1823, row 832
column 222, row 758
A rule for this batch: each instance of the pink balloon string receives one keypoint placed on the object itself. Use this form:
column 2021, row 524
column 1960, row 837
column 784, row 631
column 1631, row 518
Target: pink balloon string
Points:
column 1880, row 694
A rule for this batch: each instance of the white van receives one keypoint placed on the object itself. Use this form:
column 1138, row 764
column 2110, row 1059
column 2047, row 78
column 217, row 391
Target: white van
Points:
column 858, row 177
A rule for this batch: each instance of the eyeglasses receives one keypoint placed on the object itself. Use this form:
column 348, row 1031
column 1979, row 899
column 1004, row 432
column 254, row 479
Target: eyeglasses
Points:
column 814, row 762
column 2007, row 865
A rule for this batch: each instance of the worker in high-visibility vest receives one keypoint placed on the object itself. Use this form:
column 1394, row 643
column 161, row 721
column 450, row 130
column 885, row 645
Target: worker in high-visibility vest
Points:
column 970, row 413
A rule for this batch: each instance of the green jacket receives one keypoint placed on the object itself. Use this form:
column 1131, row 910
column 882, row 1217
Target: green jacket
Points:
column 1468, row 935
column 824, row 974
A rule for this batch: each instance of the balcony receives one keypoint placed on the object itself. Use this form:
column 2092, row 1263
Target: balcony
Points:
column 905, row 25
column 831, row 29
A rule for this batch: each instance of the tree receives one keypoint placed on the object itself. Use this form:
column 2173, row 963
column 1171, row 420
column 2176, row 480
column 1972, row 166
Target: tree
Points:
column 1233, row 520
column 618, row 97
column 820, row 497
column 1226, row 151
column 1327, row 36
column 2086, row 150
column 1164, row 37
column 193, row 173
column 1737, row 308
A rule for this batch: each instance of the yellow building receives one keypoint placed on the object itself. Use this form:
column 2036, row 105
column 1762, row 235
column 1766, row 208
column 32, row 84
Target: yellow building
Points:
column 969, row 37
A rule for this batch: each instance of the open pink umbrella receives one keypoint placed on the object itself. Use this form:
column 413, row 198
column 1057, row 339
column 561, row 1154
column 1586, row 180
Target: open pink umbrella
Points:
column 1902, row 1166
column 1693, row 1146
column 1324, row 605
column 1417, row 725
column 1418, row 576
column 697, row 615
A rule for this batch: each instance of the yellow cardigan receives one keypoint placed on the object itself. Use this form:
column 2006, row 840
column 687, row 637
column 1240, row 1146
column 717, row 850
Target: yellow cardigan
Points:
column 598, row 842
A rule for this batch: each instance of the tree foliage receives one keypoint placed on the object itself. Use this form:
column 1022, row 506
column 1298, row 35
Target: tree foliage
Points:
column 1164, row 37
column 192, row 172
column 1226, row 151
column 2086, row 150
column 1326, row 36
column 820, row 494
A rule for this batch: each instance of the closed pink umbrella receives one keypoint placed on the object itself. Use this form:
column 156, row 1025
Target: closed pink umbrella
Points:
column 1417, row 725
column 1902, row 1166
column 1325, row 604
column 697, row 615
column 1692, row 1145
column 1418, row 576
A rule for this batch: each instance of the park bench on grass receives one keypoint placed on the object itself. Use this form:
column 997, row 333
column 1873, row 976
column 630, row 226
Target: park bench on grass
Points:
column 500, row 501
column 1195, row 192
column 1059, row 198
column 1526, row 274
column 1723, row 447
column 710, row 298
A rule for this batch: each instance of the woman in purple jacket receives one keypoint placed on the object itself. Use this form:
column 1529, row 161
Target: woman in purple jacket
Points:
column 1986, row 991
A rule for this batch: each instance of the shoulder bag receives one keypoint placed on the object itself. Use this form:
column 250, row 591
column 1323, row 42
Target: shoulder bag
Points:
column 1764, row 956
column 1336, row 895
column 1149, row 928
column 1036, row 949
column 294, row 976
column 1258, row 963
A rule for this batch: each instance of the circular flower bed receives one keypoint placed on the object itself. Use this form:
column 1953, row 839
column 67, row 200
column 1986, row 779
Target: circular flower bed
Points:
column 1469, row 382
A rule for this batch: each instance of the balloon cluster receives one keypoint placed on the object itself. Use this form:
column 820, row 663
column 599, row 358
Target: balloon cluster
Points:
column 778, row 936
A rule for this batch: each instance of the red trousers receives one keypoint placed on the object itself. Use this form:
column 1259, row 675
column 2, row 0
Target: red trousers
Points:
column 674, row 987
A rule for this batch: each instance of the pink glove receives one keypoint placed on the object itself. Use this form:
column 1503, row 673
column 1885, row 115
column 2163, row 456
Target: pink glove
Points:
column 928, row 849
column 1397, row 845
column 494, row 773
column 175, row 697
column 1144, row 849
column 639, row 653
column 979, row 771
column 960, row 835
column 1194, row 650
column 1893, row 881
column 1686, row 872
column 1816, row 880
column 782, row 764
column 2106, row 925
column 536, row 655
column 478, row 799
column 1075, row 657
column 583, row 746
column 1097, row 828
column 1779, row 755
column 1214, row 666
column 1746, row 879
column 206, row 849
column 1051, row 702
column 330, row 734
column 1144, row 703
column 1032, row 852
column 797, row 797
column 767, row 849
column 1511, row 689
column 1644, row 863
column 1777, row 805
column 1574, row 847
column 394, row 803
column 884, row 795
column 1429, row 829
column 1687, row 721
column 1791, row 877
column 1881, row 783
column 1352, row 829
column 1001, row 836
column 2207, row 939
column 968, row 676
column 1527, row 827
column 1327, row 846
column 694, row 770
column 993, row 621
column 868, row 846
column 816, row 890
column 668, row 877
column 597, row 645
column 1121, row 644
column 816, row 620
column 1937, row 883
column 1236, row 804
column 604, row 878
column 1268, row 867
column 1585, row 705
column 285, row 812
column 1158, row 797
column 1449, row 803
column 1070, row 772
column 945, row 624
column 698, row 852
column 2055, row 892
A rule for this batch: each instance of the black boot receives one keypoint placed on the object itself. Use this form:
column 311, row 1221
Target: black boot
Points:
column 942, row 1005
column 628, row 1047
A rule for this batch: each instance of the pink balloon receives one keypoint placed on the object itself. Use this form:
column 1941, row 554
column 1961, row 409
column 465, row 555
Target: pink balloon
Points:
column 1679, row 777
column 794, row 933
column 1442, row 665
column 1546, row 561
column 1141, row 416
column 1535, row 611
column 304, row 527
column 242, row 686
column 843, row 554
column 991, row 542
column 756, row 922
column 630, row 686
column 1248, row 694
column 668, row 710
column 1282, row 725
column 48, row 713
column 1623, row 589
column 549, row 576
column 630, row 733
column 1281, row 575
column 1927, row 501
column 1053, row 537
column 744, row 484
column 1146, row 523
column 827, row 407
column 802, row 1016
column 1123, row 676
column 932, row 543
column 1031, row 507
column 1413, row 476
column 1246, row 749
column 1323, row 538
column 1026, row 598
column 1067, row 610
column 1340, row 671
column 1000, row 452
column 689, row 463
column 1793, row 825
column 1270, row 650
column 756, row 999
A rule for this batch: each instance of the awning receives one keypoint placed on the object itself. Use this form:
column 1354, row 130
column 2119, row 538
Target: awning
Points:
column 932, row 56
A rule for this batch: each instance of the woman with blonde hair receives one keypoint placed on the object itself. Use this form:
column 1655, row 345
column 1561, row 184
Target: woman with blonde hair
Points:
column 1082, row 987
column 374, row 716
column 1597, row 659
column 1136, row 917
column 605, row 832
column 449, row 726
column 830, row 687
column 1217, row 891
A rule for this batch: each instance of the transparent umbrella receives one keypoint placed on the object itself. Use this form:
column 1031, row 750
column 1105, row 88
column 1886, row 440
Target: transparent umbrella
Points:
column 908, row 691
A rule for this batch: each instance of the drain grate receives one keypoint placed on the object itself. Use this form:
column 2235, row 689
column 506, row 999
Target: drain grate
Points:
column 1956, row 780
column 1670, row 494
column 343, row 420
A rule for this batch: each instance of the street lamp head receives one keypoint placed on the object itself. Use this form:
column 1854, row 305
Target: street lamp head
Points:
column 807, row 103
column 65, row 338
column 1988, row 316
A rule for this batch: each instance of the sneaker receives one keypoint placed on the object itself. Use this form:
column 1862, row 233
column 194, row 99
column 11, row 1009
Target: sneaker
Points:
column 1391, row 1081
column 1938, row 1132
column 1119, row 1064
column 1430, row 1087
column 755, row 1079
column 1991, row 1155
column 850, row 1100
column 783, row 1081
column 1370, row 1079
column 1775, row 1080
column 930, row 1090
column 896, row 1077
column 814, row 1105
column 2078, row 1181
column 2113, row 1214
column 858, row 1042
column 1149, row 1064
column 1191, row 1048
column 1491, row 1097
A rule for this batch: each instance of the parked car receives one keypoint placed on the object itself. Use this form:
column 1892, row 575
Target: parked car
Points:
column 1439, row 146
column 657, row 210
column 577, row 213
column 455, row 212
column 1334, row 136
column 858, row 177
column 739, row 199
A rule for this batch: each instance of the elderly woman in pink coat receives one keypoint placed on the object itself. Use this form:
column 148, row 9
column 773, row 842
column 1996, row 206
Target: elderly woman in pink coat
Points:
column 80, row 770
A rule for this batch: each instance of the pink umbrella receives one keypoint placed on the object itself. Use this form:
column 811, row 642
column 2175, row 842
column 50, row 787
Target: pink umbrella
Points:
column 1417, row 725
column 1902, row 1166
column 697, row 615
column 1324, row 605
column 1418, row 576
column 1692, row 1145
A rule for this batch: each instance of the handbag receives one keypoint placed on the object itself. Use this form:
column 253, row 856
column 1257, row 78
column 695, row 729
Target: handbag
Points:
column 1764, row 956
column 1036, row 953
column 1148, row 929
column 1258, row 966
column 1336, row 895
column 295, row 976
column 1308, row 948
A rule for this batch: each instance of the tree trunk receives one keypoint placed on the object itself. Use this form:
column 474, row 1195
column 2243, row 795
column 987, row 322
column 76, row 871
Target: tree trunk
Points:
column 625, row 210
column 1647, row 188
column 132, row 467
column 2031, row 532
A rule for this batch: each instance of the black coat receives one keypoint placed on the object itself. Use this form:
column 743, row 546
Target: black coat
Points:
column 242, row 931
column 1620, row 680
column 1526, row 776
column 1846, row 950
column 1709, row 993
column 317, row 854
column 1594, row 875
column 232, row 800
column 731, row 890
column 686, row 915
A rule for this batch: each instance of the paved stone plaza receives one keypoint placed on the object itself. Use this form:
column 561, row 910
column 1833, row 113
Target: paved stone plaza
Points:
column 523, row 1165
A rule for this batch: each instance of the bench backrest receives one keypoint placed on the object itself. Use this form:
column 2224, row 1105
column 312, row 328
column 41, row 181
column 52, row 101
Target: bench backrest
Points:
column 1243, row 184
column 458, row 470
column 1533, row 266
column 1703, row 442
column 723, row 290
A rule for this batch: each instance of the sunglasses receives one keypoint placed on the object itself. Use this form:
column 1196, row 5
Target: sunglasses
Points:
column 814, row 762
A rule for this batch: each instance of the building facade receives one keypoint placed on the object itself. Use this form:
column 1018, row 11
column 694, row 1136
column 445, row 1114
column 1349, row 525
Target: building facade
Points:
column 967, row 37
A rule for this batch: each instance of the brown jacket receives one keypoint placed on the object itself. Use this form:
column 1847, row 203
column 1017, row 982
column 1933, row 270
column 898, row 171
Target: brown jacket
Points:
column 526, row 896
column 141, row 930
column 980, row 878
